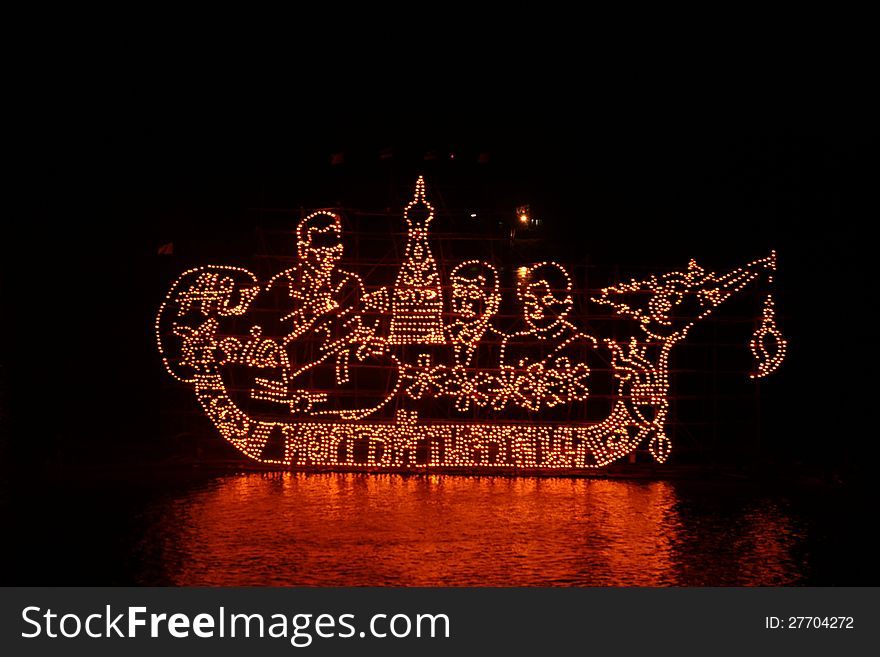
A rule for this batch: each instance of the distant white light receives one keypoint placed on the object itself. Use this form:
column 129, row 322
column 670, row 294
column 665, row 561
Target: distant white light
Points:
column 473, row 215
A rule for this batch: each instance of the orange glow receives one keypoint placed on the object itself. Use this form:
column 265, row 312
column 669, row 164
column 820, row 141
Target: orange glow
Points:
column 216, row 529
column 336, row 331
column 351, row 529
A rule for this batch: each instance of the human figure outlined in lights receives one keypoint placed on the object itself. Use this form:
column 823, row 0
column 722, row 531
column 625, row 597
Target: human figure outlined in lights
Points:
column 318, row 292
column 475, row 301
column 321, row 327
column 544, row 364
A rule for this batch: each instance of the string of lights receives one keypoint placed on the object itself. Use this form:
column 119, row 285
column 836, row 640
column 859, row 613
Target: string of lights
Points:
column 310, row 359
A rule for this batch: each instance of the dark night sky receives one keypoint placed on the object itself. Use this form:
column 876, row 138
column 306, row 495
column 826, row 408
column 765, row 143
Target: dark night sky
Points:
column 102, row 188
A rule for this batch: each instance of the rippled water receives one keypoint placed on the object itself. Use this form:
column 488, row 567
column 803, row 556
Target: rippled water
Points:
column 184, row 526
column 356, row 529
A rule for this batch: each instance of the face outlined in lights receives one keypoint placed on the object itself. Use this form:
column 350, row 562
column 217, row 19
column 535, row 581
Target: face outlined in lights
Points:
column 305, row 342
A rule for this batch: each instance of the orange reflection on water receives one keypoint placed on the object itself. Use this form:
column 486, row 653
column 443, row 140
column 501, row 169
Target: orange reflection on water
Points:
column 766, row 546
column 297, row 529
column 391, row 530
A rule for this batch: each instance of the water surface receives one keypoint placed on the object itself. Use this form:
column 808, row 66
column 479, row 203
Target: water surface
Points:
column 264, row 528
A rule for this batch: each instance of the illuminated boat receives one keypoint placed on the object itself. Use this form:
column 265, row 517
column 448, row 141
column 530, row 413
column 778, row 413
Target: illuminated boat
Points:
column 310, row 370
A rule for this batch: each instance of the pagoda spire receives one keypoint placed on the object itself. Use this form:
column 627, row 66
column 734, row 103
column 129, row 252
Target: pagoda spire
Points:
column 417, row 300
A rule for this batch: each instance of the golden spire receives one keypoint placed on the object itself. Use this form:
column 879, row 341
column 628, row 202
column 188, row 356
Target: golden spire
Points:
column 417, row 301
column 419, row 201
